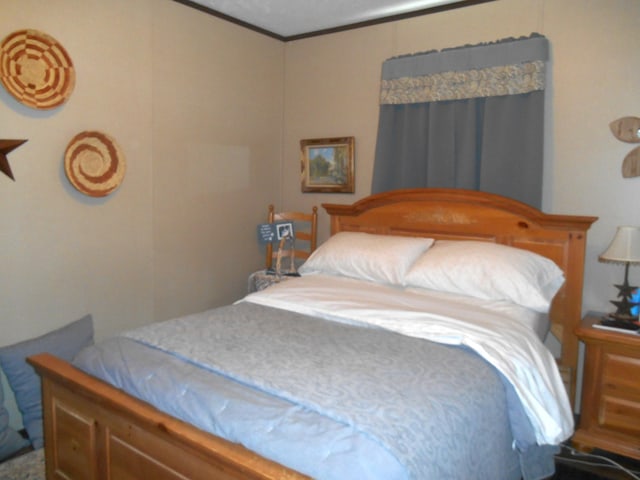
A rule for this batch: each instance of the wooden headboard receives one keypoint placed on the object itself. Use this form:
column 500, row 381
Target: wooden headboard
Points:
column 471, row 215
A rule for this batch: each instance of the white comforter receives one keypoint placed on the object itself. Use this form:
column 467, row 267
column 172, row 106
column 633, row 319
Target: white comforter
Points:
column 502, row 333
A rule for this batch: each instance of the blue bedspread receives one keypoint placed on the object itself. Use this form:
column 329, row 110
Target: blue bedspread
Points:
column 413, row 403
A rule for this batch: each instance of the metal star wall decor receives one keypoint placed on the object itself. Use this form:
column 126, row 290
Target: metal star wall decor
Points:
column 7, row 146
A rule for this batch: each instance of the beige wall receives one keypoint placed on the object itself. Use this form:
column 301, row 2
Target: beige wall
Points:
column 217, row 136
column 210, row 116
column 196, row 104
column 64, row 254
column 332, row 82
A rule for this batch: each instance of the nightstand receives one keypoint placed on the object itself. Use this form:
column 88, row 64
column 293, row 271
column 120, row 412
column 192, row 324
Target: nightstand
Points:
column 610, row 417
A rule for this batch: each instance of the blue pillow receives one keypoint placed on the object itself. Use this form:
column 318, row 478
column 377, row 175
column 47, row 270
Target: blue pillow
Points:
column 10, row 440
column 65, row 343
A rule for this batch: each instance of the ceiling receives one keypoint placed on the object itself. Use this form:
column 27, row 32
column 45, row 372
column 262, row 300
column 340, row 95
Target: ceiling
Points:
column 294, row 19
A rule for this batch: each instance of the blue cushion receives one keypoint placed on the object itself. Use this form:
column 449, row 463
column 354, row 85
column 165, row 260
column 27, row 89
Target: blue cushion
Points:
column 10, row 440
column 65, row 343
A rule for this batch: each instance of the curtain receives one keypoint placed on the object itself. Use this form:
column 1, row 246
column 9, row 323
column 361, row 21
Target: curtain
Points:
column 468, row 117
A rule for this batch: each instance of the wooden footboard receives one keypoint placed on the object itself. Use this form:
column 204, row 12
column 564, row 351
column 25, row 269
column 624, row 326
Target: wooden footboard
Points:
column 95, row 431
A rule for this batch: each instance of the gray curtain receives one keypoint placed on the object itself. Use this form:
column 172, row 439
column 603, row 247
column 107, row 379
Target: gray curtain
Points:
column 469, row 117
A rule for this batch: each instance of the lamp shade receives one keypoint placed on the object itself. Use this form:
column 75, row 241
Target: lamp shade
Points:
column 625, row 246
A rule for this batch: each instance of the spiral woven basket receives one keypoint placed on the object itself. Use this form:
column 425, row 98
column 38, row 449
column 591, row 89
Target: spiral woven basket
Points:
column 94, row 163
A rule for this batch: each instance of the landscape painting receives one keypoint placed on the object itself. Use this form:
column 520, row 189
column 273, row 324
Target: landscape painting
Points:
column 328, row 165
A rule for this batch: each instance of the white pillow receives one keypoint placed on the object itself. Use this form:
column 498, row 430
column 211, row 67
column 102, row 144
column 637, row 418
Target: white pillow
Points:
column 490, row 271
column 367, row 256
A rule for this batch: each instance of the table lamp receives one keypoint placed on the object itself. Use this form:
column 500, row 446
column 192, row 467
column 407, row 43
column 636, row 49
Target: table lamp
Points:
column 624, row 248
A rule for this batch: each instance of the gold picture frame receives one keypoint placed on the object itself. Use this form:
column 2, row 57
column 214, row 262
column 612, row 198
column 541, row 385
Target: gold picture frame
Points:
column 328, row 165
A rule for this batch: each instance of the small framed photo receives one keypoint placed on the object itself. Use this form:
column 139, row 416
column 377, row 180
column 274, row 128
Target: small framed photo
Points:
column 284, row 230
column 328, row 165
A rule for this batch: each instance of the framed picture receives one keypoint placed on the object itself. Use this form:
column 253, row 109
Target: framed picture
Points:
column 328, row 165
column 284, row 230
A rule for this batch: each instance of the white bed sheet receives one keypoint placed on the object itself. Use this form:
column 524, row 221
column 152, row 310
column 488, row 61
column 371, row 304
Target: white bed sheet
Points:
column 506, row 335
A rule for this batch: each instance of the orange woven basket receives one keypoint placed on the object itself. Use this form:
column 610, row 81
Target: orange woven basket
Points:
column 94, row 163
column 36, row 70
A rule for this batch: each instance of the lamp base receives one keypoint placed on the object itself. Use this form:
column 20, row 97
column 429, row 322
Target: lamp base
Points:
column 617, row 321
column 628, row 305
column 622, row 316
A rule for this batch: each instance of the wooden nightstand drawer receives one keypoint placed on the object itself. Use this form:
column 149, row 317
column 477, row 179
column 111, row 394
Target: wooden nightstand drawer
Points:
column 620, row 402
column 610, row 416
column 621, row 374
column 620, row 415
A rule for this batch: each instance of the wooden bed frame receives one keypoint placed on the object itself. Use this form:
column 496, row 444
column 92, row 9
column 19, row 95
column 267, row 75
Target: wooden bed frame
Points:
column 96, row 431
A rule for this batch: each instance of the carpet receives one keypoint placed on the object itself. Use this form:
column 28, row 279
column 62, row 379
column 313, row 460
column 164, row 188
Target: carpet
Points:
column 25, row 467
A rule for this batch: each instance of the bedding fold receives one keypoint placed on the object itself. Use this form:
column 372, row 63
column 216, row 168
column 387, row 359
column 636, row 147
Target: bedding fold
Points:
column 497, row 335
column 414, row 398
column 275, row 428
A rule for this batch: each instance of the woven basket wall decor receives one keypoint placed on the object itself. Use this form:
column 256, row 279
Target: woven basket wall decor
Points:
column 94, row 163
column 36, row 70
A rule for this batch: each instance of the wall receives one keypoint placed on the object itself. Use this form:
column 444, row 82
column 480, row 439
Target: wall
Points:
column 217, row 125
column 196, row 105
column 596, row 82
column 65, row 254
column 332, row 83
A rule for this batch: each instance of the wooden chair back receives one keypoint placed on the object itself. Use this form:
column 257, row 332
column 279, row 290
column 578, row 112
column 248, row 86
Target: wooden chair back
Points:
column 305, row 227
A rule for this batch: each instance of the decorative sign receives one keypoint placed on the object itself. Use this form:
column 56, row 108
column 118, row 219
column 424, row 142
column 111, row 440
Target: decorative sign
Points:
column 266, row 233
column 272, row 232
column 627, row 129
column 631, row 164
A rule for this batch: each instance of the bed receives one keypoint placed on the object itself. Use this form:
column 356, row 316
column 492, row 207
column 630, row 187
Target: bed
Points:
column 331, row 415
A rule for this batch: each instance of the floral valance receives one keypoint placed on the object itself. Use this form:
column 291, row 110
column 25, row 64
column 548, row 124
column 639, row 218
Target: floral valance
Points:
column 507, row 67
